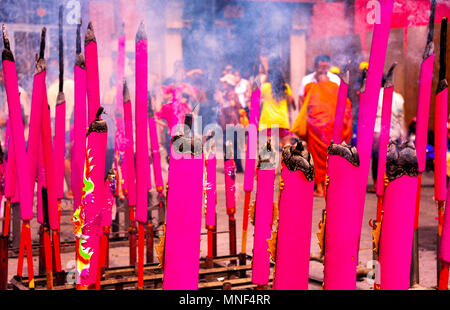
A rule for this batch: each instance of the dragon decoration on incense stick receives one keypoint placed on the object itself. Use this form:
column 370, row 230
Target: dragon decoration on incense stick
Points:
column 78, row 219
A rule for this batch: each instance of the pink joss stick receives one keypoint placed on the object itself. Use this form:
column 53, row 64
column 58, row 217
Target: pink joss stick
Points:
column 60, row 119
column 87, row 217
column 230, row 198
column 92, row 75
column 341, row 218
column 142, row 160
column 423, row 112
column 386, row 113
column 49, row 164
column 156, row 156
column 79, row 140
column 36, row 112
column 295, row 219
column 397, row 225
column 131, row 171
column 340, row 106
column 17, row 130
column 250, row 158
column 211, row 192
column 366, row 120
column 41, row 184
column 263, row 218
column 184, row 218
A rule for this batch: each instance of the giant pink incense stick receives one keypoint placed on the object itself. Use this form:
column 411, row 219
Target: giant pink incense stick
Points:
column 397, row 224
column 340, row 244
column 263, row 217
column 156, row 157
column 49, row 164
column 211, row 200
column 131, row 171
column 87, row 218
column 79, row 123
column 368, row 111
column 340, row 106
column 60, row 119
column 92, row 75
column 17, row 131
column 36, row 112
column 40, row 182
column 250, row 159
column 142, row 160
column 386, row 113
column 423, row 111
column 230, row 199
column 295, row 219
column 440, row 144
column 184, row 216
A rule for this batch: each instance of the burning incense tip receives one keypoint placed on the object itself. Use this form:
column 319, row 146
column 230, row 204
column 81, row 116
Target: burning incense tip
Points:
column 126, row 93
column 42, row 47
column 141, row 35
column 90, row 35
column 390, row 76
column 6, row 54
column 5, row 38
column 99, row 113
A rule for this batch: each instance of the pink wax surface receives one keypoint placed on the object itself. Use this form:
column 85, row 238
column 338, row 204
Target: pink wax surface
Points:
column 444, row 250
column 341, row 238
column 183, row 224
column 60, row 147
column 17, row 133
column 34, row 134
column 49, row 164
column 129, row 154
column 368, row 111
column 211, row 192
column 440, row 137
column 92, row 78
column 79, row 139
column 230, row 185
column 94, row 202
column 250, row 155
column 384, row 137
column 263, row 230
column 397, row 233
column 10, row 173
column 106, row 213
column 340, row 112
column 294, row 231
column 156, row 157
column 423, row 110
column 142, row 160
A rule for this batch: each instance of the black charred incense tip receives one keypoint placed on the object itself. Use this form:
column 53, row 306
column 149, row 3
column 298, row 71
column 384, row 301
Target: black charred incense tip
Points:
column 195, row 145
column 267, row 157
column 2, row 155
column 61, row 98
column 78, row 40
column 443, row 50
column 390, row 76
column 431, row 22
column 79, row 61
column 99, row 125
column 126, row 92
column 345, row 75
column 297, row 158
column 150, row 108
column 140, row 34
column 90, row 35
column 401, row 159
column 45, row 216
column 42, row 46
column 346, row 151
column 363, row 80
column 6, row 54
column 443, row 84
column 188, row 119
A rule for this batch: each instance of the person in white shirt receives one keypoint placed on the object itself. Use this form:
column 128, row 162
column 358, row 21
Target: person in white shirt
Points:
column 242, row 90
column 322, row 67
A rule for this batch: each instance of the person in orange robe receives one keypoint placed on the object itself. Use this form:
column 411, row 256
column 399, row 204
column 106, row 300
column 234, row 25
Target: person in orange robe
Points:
column 321, row 100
